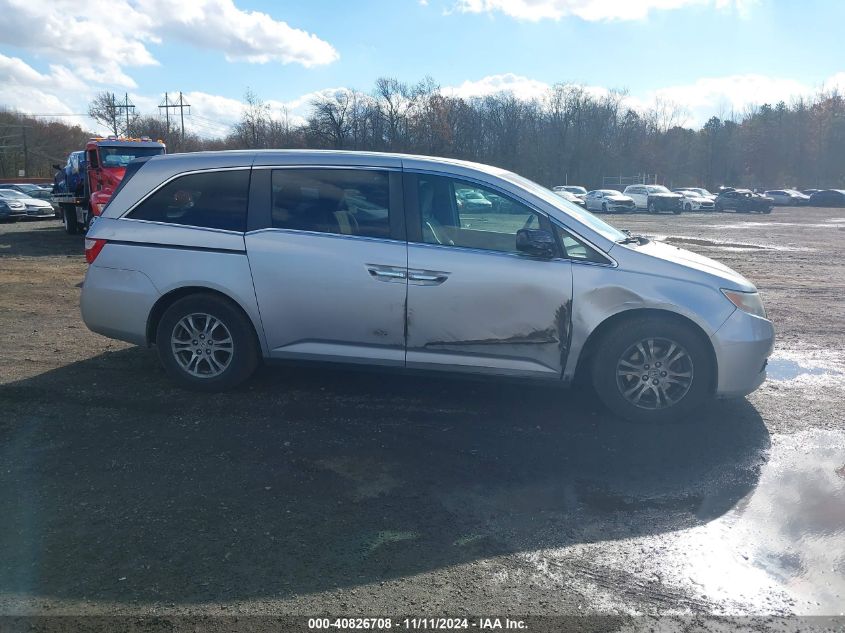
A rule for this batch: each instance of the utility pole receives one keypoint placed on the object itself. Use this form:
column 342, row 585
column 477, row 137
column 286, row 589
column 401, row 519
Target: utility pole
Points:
column 25, row 152
column 166, row 106
column 125, row 106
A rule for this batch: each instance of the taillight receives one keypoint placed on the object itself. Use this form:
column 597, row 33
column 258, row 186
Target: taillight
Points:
column 92, row 249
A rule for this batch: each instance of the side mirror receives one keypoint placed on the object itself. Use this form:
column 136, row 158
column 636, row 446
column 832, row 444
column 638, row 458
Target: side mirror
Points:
column 535, row 242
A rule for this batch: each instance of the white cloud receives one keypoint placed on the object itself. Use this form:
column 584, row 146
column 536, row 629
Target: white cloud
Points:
column 724, row 96
column 521, row 87
column 590, row 10
column 99, row 39
column 250, row 36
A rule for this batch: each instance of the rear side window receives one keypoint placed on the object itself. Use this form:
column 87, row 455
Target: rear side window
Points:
column 214, row 200
column 339, row 201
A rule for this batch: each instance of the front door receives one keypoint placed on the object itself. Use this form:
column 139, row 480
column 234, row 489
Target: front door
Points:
column 474, row 302
column 330, row 271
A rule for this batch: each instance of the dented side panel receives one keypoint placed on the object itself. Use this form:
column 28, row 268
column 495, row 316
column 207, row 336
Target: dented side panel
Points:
column 600, row 292
column 492, row 312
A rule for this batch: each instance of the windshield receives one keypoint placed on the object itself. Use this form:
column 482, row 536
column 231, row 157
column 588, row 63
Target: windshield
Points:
column 11, row 193
column 570, row 208
column 573, row 189
column 657, row 189
column 120, row 156
column 609, row 192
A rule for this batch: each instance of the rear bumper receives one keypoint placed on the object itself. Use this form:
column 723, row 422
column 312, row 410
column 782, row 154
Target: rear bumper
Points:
column 116, row 303
column 742, row 345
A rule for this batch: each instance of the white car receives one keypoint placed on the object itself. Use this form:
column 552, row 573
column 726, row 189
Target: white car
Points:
column 609, row 201
column 570, row 197
column 700, row 191
column 34, row 207
column 574, row 189
column 788, row 197
column 693, row 201
column 655, row 198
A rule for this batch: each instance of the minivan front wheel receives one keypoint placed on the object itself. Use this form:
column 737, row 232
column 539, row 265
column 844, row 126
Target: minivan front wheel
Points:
column 206, row 343
column 652, row 370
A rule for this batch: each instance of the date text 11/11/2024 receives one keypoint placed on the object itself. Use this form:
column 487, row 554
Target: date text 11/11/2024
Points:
column 415, row 624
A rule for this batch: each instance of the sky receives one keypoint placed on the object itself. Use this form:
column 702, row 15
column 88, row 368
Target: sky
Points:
column 707, row 57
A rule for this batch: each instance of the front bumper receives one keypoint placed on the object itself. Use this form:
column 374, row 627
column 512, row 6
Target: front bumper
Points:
column 742, row 345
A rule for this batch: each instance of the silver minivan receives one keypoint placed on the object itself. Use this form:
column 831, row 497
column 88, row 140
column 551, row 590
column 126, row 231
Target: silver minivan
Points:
column 222, row 259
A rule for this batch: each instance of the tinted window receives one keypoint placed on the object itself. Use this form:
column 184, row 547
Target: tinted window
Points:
column 458, row 213
column 215, row 200
column 341, row 201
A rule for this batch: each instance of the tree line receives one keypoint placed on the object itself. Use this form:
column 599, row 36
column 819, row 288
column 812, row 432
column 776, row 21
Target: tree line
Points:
column 569, row 135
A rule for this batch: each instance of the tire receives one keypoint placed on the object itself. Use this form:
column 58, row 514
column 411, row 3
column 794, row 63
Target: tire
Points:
column 718, row 208
column 652, row 208
column 604, row 207
column 69, row 220
column 767, row 210
column 617, row 351
column 677, row 211
column 220, row 368
column 687, row 207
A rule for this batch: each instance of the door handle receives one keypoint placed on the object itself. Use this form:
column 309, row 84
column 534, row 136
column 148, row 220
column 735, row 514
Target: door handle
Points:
column 386, row 273
column 427, row 277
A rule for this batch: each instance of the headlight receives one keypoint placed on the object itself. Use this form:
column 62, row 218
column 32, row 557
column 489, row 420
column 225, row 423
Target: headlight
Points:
column 749, row 302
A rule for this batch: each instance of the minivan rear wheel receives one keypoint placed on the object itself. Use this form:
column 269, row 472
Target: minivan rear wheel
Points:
column 206, row 343
column 652, row 370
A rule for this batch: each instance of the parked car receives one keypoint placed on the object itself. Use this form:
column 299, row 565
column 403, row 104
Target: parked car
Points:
column 698, row 190
column 743, row 201
column 787, row 197
column 33, row 207
column 579, row 191
column 609, row 201
column 571, row 197
column 655, row 198
column 290, row 270
column 694, row 201
column 10, row 208
column 473, row 200
column 29, row 189
column 828, row 198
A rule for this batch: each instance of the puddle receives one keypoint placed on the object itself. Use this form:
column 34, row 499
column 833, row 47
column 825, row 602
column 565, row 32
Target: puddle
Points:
column 827, row 224
column 787, row 536
column 784, row 366
column 682, row 240
column 783, row 369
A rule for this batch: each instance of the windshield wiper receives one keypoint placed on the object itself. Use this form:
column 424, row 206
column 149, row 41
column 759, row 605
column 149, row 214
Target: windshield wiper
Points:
column 632, row 239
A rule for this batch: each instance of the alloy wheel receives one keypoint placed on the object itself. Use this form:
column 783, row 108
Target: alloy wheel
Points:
column 202, row 345
column 654, row 373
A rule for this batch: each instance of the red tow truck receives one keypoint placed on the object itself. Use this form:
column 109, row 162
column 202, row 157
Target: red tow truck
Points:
column 83, row 186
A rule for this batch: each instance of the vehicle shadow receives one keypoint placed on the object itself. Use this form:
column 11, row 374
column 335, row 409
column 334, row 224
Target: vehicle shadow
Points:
column 116, row 486
column 38, row 238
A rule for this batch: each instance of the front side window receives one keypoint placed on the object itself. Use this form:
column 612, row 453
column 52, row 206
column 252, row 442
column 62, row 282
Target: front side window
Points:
column 339, row 201
column 578, row 250
column 214, row 199
column 459, row 213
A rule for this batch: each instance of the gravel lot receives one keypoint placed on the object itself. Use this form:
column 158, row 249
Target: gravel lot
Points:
column 353, row 493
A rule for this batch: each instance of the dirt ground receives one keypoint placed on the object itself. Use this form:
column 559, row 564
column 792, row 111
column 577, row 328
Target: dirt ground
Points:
column 351, row 493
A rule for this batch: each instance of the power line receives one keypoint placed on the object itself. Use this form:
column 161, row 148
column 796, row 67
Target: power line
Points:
column 166, row 106
column 125, row 106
